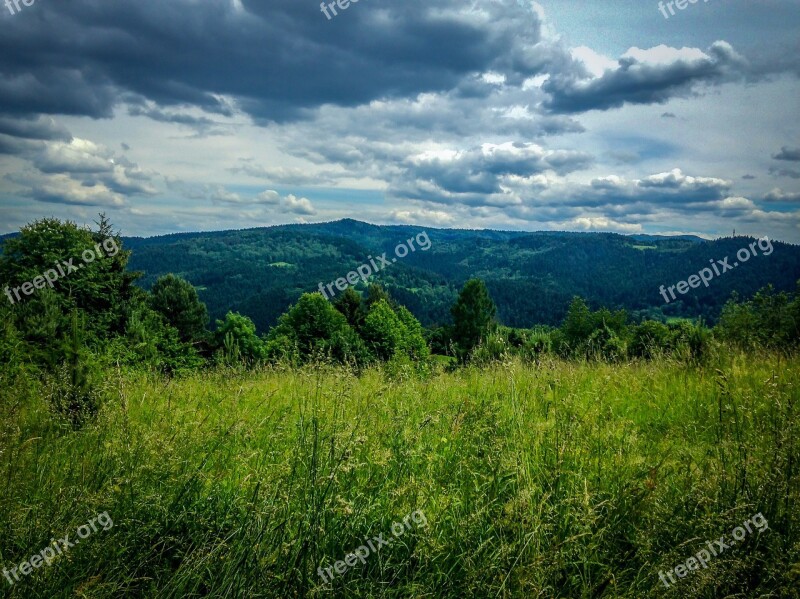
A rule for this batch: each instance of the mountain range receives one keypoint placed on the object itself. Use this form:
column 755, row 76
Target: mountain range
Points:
column 532, row 276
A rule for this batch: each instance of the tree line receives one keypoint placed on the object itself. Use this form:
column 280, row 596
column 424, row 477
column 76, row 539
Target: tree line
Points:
column 97, row 317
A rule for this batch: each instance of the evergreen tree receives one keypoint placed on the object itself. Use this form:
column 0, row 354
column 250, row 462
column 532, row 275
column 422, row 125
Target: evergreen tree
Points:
column 376, row 293
column 177, row 301
column 350, row 305
column 473, row 316
column 65, row 268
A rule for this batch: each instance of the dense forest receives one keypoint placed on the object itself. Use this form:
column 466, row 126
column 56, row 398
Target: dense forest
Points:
column 532, row 277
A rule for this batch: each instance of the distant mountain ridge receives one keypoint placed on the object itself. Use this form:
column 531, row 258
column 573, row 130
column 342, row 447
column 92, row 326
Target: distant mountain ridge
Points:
column 532, row 276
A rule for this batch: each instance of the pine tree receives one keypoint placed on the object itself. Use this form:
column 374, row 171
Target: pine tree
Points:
column 473, row 315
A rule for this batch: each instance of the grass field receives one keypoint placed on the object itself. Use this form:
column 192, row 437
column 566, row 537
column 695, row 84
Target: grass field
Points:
column 556, row 480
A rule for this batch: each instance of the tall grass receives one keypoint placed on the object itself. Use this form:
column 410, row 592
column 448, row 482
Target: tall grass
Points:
column 559, row 480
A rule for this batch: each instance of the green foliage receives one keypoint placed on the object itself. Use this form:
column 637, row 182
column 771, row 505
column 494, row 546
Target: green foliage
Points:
column 596, row 335
column 376, row 293
column 389, row 332
column 237, row 341
column 177, row 301
column 351, row 307
column 473, row 316
column 578, row 324
column 769, row 319
column 100, row 289
column 281, row 349
column 494, row 347
column 13, row 350
column 440, row 340
column 73, row 389
column 149, row 342
column 414, row 344
column 604, row 344
column 313, row 329
column 383, row 331
column 691, row 341
column 537, row 343
column 649, row 340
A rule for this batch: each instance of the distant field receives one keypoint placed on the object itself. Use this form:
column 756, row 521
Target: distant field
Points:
column 565, row 480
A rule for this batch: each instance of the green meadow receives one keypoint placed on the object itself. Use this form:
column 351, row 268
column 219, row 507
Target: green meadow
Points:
column 537, row 479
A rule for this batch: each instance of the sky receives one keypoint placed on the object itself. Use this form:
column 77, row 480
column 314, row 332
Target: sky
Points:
column 631, row 116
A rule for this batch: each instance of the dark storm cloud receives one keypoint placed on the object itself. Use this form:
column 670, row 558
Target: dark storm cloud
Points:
column 276, row 59
column 790, row 154
column 638, row 82
column 199, row 123
column 785, row 172
column 42, row 128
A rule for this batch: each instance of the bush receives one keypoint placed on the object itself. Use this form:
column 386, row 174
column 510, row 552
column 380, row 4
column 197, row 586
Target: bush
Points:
column 73, row 389
column 72, row 398
column 237, row 340
column 604, row 344
column 493, row 348
column 649, row 340
column 539, row 342
column 691, row 341
column 383, row 331
column 769, row 319
column 150, row 342
column 280, row 349
column 313, row 329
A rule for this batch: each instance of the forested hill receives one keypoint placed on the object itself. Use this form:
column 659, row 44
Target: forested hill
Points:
column 531, row 276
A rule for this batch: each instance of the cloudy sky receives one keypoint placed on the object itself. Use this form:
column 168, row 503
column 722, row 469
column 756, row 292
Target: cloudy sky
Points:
column 186, row 115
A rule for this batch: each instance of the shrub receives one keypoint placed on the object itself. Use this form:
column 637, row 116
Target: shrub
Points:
column 384, row 332
column 604, row 344
column 649, row 339
column 538, row 342
column 691, row 341
column 280, row 349
column 237, row 340
column 313, row 329
column 493, row 348
column 71, row 395
column 73, row 389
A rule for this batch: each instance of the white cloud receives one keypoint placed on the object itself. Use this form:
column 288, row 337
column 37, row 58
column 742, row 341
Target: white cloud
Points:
column 778, row 195
column 297, row 205
column 595, row 63
column 664, row 55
